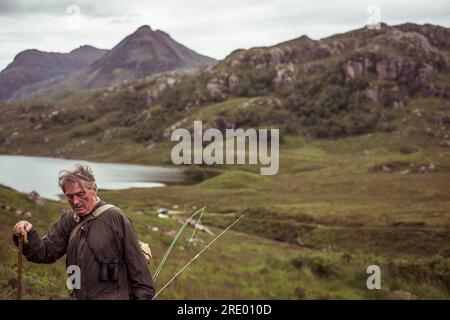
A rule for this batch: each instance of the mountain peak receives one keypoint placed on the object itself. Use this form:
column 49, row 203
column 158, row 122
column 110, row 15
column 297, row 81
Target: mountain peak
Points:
column 85, row 49
column 145, row 28
column 144, row 52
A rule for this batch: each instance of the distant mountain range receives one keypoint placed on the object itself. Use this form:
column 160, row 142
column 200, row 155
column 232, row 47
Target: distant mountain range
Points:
column 37, row 74
column 31, row 66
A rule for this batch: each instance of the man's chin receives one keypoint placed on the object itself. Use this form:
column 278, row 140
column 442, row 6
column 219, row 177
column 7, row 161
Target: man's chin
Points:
column 80, row 212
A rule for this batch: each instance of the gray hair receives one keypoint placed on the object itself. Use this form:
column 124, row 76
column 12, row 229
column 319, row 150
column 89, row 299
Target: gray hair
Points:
column 82, row 174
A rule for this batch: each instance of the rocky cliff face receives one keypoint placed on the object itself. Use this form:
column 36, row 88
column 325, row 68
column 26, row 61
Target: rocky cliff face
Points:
column 394, row 62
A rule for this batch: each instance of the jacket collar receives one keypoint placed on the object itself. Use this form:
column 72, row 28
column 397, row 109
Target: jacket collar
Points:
column 98, row 204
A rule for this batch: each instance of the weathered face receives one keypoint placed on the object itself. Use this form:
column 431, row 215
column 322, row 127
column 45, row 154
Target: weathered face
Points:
column 82, row 201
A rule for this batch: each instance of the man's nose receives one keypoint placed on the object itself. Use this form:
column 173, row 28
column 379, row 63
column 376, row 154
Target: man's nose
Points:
column 75, row 200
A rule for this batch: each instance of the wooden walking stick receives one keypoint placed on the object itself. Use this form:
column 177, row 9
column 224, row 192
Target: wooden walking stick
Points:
column 19, row 268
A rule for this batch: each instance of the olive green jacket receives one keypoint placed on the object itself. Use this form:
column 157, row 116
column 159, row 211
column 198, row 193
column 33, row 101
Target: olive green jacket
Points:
column 109, row 237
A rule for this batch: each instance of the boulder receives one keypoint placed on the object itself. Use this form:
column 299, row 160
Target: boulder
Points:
column 233, row 82
column 36, row 198
column 27, row 214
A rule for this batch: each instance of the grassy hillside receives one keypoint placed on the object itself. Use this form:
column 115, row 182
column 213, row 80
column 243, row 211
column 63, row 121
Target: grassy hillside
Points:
column 237, row 266
column 335, row 207
column 309, row 232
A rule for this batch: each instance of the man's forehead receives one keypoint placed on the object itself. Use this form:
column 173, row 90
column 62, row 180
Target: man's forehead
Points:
column 74, row 187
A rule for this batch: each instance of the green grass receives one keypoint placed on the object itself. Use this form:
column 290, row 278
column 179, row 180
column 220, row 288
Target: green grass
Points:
column 330, row 196
column 238, row 266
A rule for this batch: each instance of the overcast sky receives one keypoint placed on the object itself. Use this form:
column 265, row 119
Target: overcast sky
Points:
column 211, row 27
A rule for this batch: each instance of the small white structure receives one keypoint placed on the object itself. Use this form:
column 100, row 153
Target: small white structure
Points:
column 163, row 213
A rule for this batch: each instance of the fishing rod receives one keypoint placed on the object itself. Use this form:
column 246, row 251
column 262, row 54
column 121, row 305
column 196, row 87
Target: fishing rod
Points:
column 196, row 256
column 161, row 264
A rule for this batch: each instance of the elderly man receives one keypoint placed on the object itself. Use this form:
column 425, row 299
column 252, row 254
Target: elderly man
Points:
column 99, row 240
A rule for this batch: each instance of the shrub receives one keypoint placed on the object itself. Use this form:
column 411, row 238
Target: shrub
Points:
column 436, row 269
column 92, row 131
column 254, row 83
column 195, row 174
column 408, row 149
column 319, row 265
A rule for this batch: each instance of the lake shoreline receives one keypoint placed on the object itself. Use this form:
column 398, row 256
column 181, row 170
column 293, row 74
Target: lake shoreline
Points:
column 33, row 173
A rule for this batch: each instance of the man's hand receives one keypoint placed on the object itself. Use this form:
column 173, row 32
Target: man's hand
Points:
column 22, row 228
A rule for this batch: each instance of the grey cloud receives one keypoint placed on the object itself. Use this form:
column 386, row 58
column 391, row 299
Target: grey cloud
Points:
column 97, row 8
column 213, row 27
column 126, row 18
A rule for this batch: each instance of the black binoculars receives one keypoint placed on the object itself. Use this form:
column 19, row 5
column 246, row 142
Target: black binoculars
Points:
column 109, row 271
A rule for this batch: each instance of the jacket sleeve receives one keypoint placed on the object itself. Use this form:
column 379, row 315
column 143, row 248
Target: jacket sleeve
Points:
column 139, row 273
column 50, row 247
